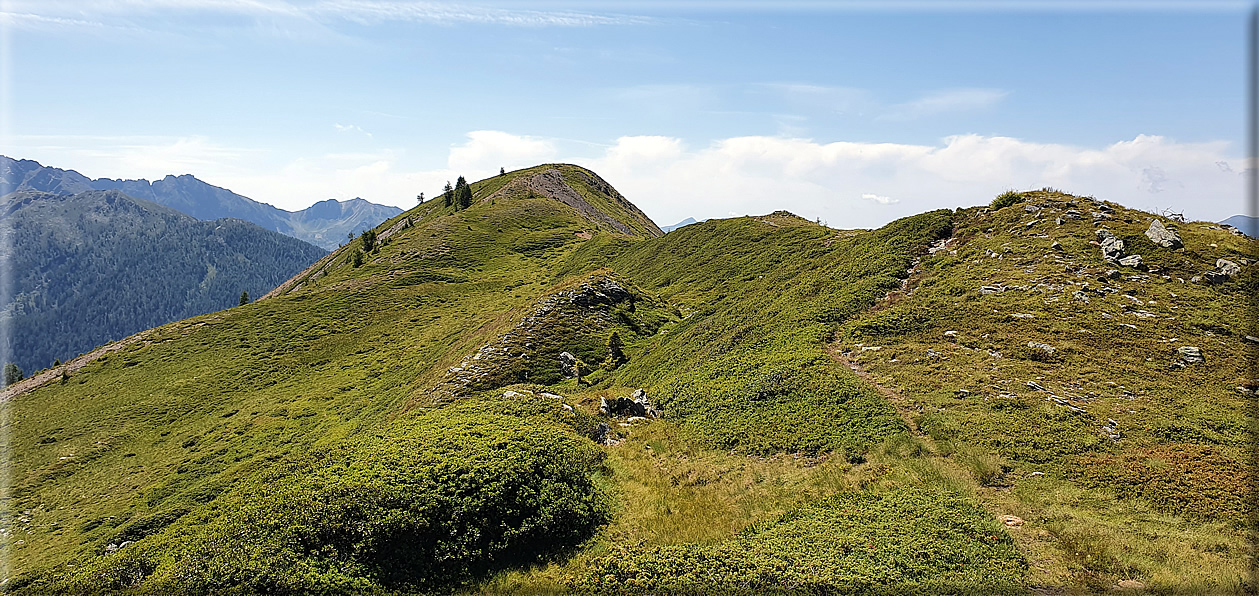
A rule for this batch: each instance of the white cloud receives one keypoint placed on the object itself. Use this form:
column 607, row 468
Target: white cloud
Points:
column 351, row 128
column 879, row 199
column 831, row 180
column 488, row 150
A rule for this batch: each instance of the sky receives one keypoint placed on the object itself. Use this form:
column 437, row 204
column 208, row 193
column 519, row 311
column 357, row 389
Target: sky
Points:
column 852, row 113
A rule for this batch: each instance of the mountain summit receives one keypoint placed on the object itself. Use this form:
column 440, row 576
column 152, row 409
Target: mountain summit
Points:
column 206, row 202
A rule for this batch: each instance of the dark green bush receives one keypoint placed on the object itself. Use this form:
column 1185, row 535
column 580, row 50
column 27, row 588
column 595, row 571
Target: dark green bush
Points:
column 434, row 504
column 1006, row 199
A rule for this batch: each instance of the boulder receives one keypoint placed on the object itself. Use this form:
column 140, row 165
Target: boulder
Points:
column 1112, row 246
column 1227, row 267
column 568, row 365
column 1160, row 235
column 1080, row 296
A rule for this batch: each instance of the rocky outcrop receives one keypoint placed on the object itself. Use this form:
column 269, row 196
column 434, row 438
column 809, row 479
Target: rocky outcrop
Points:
column 637, row 404
column 1160, row 235
column 1112, row 246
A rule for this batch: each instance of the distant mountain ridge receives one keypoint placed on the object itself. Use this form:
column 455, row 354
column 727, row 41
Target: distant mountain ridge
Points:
column 96, row 266
column 1247, row 224
column 681, row 224
column 323, row 224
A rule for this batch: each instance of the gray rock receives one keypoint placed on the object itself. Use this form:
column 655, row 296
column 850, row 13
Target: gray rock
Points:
column 1252, row 339
column 1080, row 296
column 1072, row 214
column 1190, row 355
column 990, row 289
column 1036, row 386
column 1227, row 267
column 1131, row 261
column 1160, row 235
column 1031, row 208
column 1056, row 245
column 600, row 433
column 1112, row 246
column 1039, row 346
column 568, row 365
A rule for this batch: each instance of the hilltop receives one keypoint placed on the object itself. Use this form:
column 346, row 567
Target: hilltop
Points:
column 324, row 224
column 991, row 400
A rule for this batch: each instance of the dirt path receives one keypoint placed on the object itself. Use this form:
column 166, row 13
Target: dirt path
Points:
column 898, row 401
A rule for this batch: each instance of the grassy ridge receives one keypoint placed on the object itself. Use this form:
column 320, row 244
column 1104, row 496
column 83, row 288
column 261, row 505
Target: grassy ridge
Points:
column 312, row 441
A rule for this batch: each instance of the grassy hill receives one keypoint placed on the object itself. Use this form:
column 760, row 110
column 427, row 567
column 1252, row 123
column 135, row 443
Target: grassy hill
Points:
column 832, row 413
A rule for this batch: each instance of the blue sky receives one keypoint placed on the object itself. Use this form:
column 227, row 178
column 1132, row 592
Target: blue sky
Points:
column 855, row 113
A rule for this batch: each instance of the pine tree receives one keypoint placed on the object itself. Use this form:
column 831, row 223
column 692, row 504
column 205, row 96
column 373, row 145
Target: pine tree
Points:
column 369, row 240
column 419, row 198
column 502, row 171
column 463, row 194
column 244, row 298
column 448, row 194
column 12, row 374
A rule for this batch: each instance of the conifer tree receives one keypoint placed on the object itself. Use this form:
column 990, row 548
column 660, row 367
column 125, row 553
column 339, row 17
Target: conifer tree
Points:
column 244, row 298
column 12, row 374
column 448, row 194
column 463, row 194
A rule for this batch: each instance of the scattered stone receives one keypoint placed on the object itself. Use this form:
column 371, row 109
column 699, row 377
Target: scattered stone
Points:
column 1227, row 267
column 950, row 334
column 567, row 407
column 1131, row 261
column 1252, row 339
column 1128, row 325
column 551, row 395
column 1036, row 386
column 1059, row 221
column 1039, row 346
column 990, row 289
column 1080, row 296
column 1056, row 246
column 963, row 394
column 1031, row 208
column 1022, row 315
column 1131, row 584
column 1036, row 474
column 1073, row 214
column 1011, row 521
column 1189, row 355
column 633, row 419
column 1160, row 235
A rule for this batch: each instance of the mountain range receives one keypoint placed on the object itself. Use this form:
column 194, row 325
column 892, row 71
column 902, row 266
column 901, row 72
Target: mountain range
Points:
column 325, row 224
column 541, row 392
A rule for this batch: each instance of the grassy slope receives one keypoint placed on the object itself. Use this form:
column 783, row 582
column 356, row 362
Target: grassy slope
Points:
column 759, row 421
column 1166, row 503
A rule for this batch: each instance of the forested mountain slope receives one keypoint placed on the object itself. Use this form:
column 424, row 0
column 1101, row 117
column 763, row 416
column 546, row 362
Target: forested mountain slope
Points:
column 98, row 266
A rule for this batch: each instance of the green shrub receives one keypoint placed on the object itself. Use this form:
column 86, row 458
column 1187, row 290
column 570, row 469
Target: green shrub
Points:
column 436, row 503
column 1006, row 199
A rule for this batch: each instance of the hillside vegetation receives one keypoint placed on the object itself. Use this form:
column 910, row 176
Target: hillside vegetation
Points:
column 437, row 407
